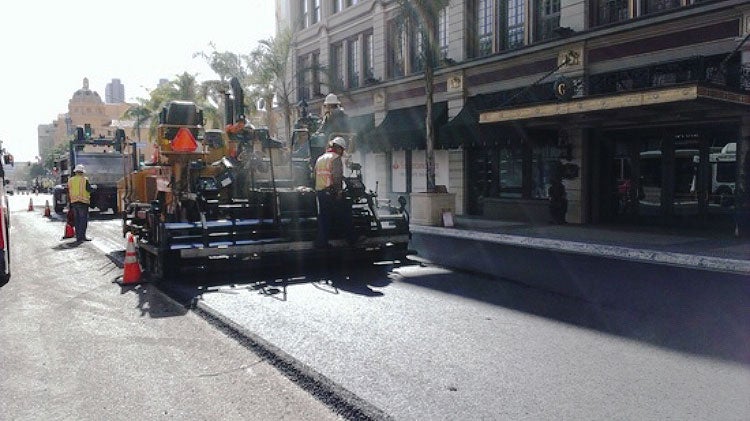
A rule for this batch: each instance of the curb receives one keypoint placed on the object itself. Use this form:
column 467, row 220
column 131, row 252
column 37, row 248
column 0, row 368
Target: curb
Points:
column 598, row 250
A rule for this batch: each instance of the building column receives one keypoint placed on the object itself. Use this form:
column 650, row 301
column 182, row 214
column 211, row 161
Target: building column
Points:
column 742, row 191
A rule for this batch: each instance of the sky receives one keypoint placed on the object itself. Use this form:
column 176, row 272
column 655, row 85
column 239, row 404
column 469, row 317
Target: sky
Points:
column 49, row 47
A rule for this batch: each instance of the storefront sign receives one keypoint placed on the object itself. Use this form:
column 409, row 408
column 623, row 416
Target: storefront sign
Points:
column 418, row 170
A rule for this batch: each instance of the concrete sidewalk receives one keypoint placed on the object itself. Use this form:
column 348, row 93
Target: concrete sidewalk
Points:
column 694, row 249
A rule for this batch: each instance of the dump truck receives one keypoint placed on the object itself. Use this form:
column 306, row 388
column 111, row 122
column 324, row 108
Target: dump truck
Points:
column 104, row 162
column 212, row 200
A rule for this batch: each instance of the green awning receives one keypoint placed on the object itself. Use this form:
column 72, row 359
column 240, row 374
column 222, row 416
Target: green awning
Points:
column 405, row 128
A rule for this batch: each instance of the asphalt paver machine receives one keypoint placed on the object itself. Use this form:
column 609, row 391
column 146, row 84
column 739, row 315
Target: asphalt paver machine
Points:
column 209, row 200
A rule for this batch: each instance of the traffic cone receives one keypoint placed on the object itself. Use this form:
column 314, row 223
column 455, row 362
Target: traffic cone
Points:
column 47, row 211
column 31, row 205
column 132, row 271
column 70, row 230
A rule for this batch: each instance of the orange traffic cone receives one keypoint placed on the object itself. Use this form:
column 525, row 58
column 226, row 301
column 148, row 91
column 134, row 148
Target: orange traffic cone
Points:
column 47, row 211
column 132, row 272
column 70, row 230
column 31, row 205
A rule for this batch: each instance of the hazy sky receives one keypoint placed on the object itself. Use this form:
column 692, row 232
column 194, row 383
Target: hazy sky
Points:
column 48, row 47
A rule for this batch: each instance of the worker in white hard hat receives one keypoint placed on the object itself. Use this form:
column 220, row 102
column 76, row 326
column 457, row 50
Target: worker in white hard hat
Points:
column 332, row 206
column 79, row 191
column 334, row 119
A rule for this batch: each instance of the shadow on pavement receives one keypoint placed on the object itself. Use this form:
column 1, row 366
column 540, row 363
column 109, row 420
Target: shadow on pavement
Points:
column 152, row 303
column 275, row 283
column 710, row 322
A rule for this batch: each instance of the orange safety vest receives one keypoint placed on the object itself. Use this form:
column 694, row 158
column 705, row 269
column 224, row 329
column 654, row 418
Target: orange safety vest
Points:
column 77, row 190
column 324, row 170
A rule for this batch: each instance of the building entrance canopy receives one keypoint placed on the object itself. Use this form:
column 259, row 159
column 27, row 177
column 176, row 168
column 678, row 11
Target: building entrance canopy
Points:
column 685, row 102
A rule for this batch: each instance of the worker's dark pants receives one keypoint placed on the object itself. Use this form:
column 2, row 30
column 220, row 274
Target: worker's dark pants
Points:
column 81, row 213
column 334, row 217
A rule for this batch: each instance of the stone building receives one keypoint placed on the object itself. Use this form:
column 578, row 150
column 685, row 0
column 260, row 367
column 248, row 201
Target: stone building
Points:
column 86, row 107
column 641, row 105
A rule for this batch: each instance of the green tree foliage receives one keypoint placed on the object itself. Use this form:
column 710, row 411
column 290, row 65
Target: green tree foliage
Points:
column 226, row 65
column 271, row 74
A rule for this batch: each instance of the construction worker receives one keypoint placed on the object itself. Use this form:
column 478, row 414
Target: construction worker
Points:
column 238, row 132
column 332, row 206
column 79, row 190
column 334, row 119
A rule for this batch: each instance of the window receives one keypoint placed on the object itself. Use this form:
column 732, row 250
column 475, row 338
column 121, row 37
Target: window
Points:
column 315, row 16
column 351, row 2
column 352, row 63
column 417, row 51
column 484, row 27
column 443, row 33
column 303, row 78
column 656, row 6
column 515, row 23
column 338, row 5
column 337, row 67
column 510, row 160
column 396, row 64
column 369, row 57
column 545, row 158
column 611, row 11
column 315, row 64
column 548, row 19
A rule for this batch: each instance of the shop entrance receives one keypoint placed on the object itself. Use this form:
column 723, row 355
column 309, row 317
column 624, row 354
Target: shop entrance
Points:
column 669, row 176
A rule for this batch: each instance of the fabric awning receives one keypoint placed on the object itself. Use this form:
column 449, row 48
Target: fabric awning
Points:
column 463, row 129
column 405, row 128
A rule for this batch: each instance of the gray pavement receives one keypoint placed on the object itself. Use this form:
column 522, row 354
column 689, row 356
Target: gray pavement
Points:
column 698, row 249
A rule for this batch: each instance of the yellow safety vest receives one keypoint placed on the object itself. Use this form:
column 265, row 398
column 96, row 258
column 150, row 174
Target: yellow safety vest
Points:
column 324, row 171
column 77, row 190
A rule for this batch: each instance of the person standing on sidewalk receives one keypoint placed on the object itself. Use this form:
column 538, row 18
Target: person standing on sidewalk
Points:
column 79, row 191
column 558, row 198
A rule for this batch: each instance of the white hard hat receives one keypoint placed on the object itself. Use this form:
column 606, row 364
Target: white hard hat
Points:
column 338, row 140
column 331, row 99
column 79, row 168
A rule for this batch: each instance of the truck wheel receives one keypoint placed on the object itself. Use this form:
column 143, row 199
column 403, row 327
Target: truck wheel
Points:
column 4, row 277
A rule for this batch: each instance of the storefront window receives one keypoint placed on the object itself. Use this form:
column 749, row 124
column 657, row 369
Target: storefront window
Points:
column 546, row 158
column 511, row 171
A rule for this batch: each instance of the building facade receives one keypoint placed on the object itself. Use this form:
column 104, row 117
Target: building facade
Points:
column 87, row 110
column 114, row 92
column 640, row 105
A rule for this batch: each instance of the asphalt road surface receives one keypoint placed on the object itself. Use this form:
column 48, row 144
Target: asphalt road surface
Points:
column 74, row 345
column 416, row 343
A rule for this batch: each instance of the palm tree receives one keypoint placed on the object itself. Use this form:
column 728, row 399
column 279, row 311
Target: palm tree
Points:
column 226, row 65
column 423, row 16
column 183, row 87
column 138, row 113
column 270, row 65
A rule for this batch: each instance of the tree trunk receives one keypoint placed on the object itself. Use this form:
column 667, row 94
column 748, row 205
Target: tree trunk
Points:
column 429, row 130
column 269, row 116
column 429, row 76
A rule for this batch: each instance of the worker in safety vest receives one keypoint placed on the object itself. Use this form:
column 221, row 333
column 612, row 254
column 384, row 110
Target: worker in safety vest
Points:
column 334, row 118
column 332, row 206
column 79, row 191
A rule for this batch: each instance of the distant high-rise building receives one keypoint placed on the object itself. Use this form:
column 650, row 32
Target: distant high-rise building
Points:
column 46, row 139
column 163, row 82
column 114, row 93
